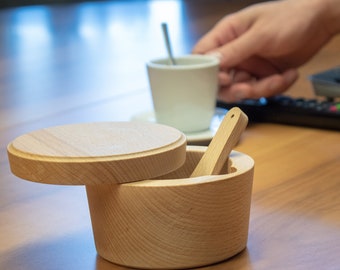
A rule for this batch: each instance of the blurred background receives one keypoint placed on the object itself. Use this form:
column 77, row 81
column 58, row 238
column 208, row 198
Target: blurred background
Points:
column 57, row 58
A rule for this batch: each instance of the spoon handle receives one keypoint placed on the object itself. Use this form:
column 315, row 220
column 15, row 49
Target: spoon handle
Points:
column 226, row 137
column 167, row 43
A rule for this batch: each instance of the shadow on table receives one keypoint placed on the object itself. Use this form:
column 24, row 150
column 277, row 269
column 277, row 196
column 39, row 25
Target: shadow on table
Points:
column 77, row 251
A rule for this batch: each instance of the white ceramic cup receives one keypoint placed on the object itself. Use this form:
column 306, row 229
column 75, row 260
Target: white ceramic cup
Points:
column 184, row 95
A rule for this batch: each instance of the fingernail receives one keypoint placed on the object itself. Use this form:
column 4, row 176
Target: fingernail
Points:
column 216, row 54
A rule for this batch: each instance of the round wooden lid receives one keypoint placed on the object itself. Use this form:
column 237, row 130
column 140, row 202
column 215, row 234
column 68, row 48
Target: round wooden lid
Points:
column 97, row 153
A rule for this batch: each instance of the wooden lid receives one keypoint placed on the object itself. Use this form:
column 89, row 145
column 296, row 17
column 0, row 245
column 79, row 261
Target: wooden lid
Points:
column 97, row 153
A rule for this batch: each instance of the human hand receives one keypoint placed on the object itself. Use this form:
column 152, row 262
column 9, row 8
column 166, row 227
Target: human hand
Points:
column 261, row 46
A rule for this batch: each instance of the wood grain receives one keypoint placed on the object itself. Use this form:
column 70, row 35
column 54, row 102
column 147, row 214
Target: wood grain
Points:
column 176, row 223
column 77, row 63
column 97, row 153
column 225, row 139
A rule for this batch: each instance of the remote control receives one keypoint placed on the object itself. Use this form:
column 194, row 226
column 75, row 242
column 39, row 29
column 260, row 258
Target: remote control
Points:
column 291, row 111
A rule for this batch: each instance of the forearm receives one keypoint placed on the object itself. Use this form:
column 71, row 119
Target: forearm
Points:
column 327, row 12
column 332, row 15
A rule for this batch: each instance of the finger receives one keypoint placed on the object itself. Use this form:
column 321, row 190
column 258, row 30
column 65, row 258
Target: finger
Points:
column 242, row 76
column 225, row 78
column 239, row 50
column 220, row 34
column 258, row 67
column 226, row 30
column 266, row 87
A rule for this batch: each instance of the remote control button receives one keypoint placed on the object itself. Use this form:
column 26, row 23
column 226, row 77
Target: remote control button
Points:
column 311, row 104
column 325, row 105
column 335, row 108
column 285, row 101
column 300, row 102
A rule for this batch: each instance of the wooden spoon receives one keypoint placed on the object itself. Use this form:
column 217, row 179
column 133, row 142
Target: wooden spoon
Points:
column 226, row 137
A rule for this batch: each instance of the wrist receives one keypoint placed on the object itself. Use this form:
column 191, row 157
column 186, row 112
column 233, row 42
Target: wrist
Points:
column 330, row 15
column 325, row 14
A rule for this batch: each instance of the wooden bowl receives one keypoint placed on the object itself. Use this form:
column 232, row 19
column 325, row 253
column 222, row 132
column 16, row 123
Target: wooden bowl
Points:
column 174, row 221
column 171, row 221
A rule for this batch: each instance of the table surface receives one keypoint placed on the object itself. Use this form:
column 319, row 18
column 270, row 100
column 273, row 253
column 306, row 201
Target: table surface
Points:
column 85, row 62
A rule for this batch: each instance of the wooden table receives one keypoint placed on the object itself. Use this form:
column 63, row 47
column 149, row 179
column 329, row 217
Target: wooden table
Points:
column 85, row 62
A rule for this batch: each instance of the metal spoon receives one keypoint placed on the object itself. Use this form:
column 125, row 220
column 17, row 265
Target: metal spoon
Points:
column 226, row 137
column 167, row 43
